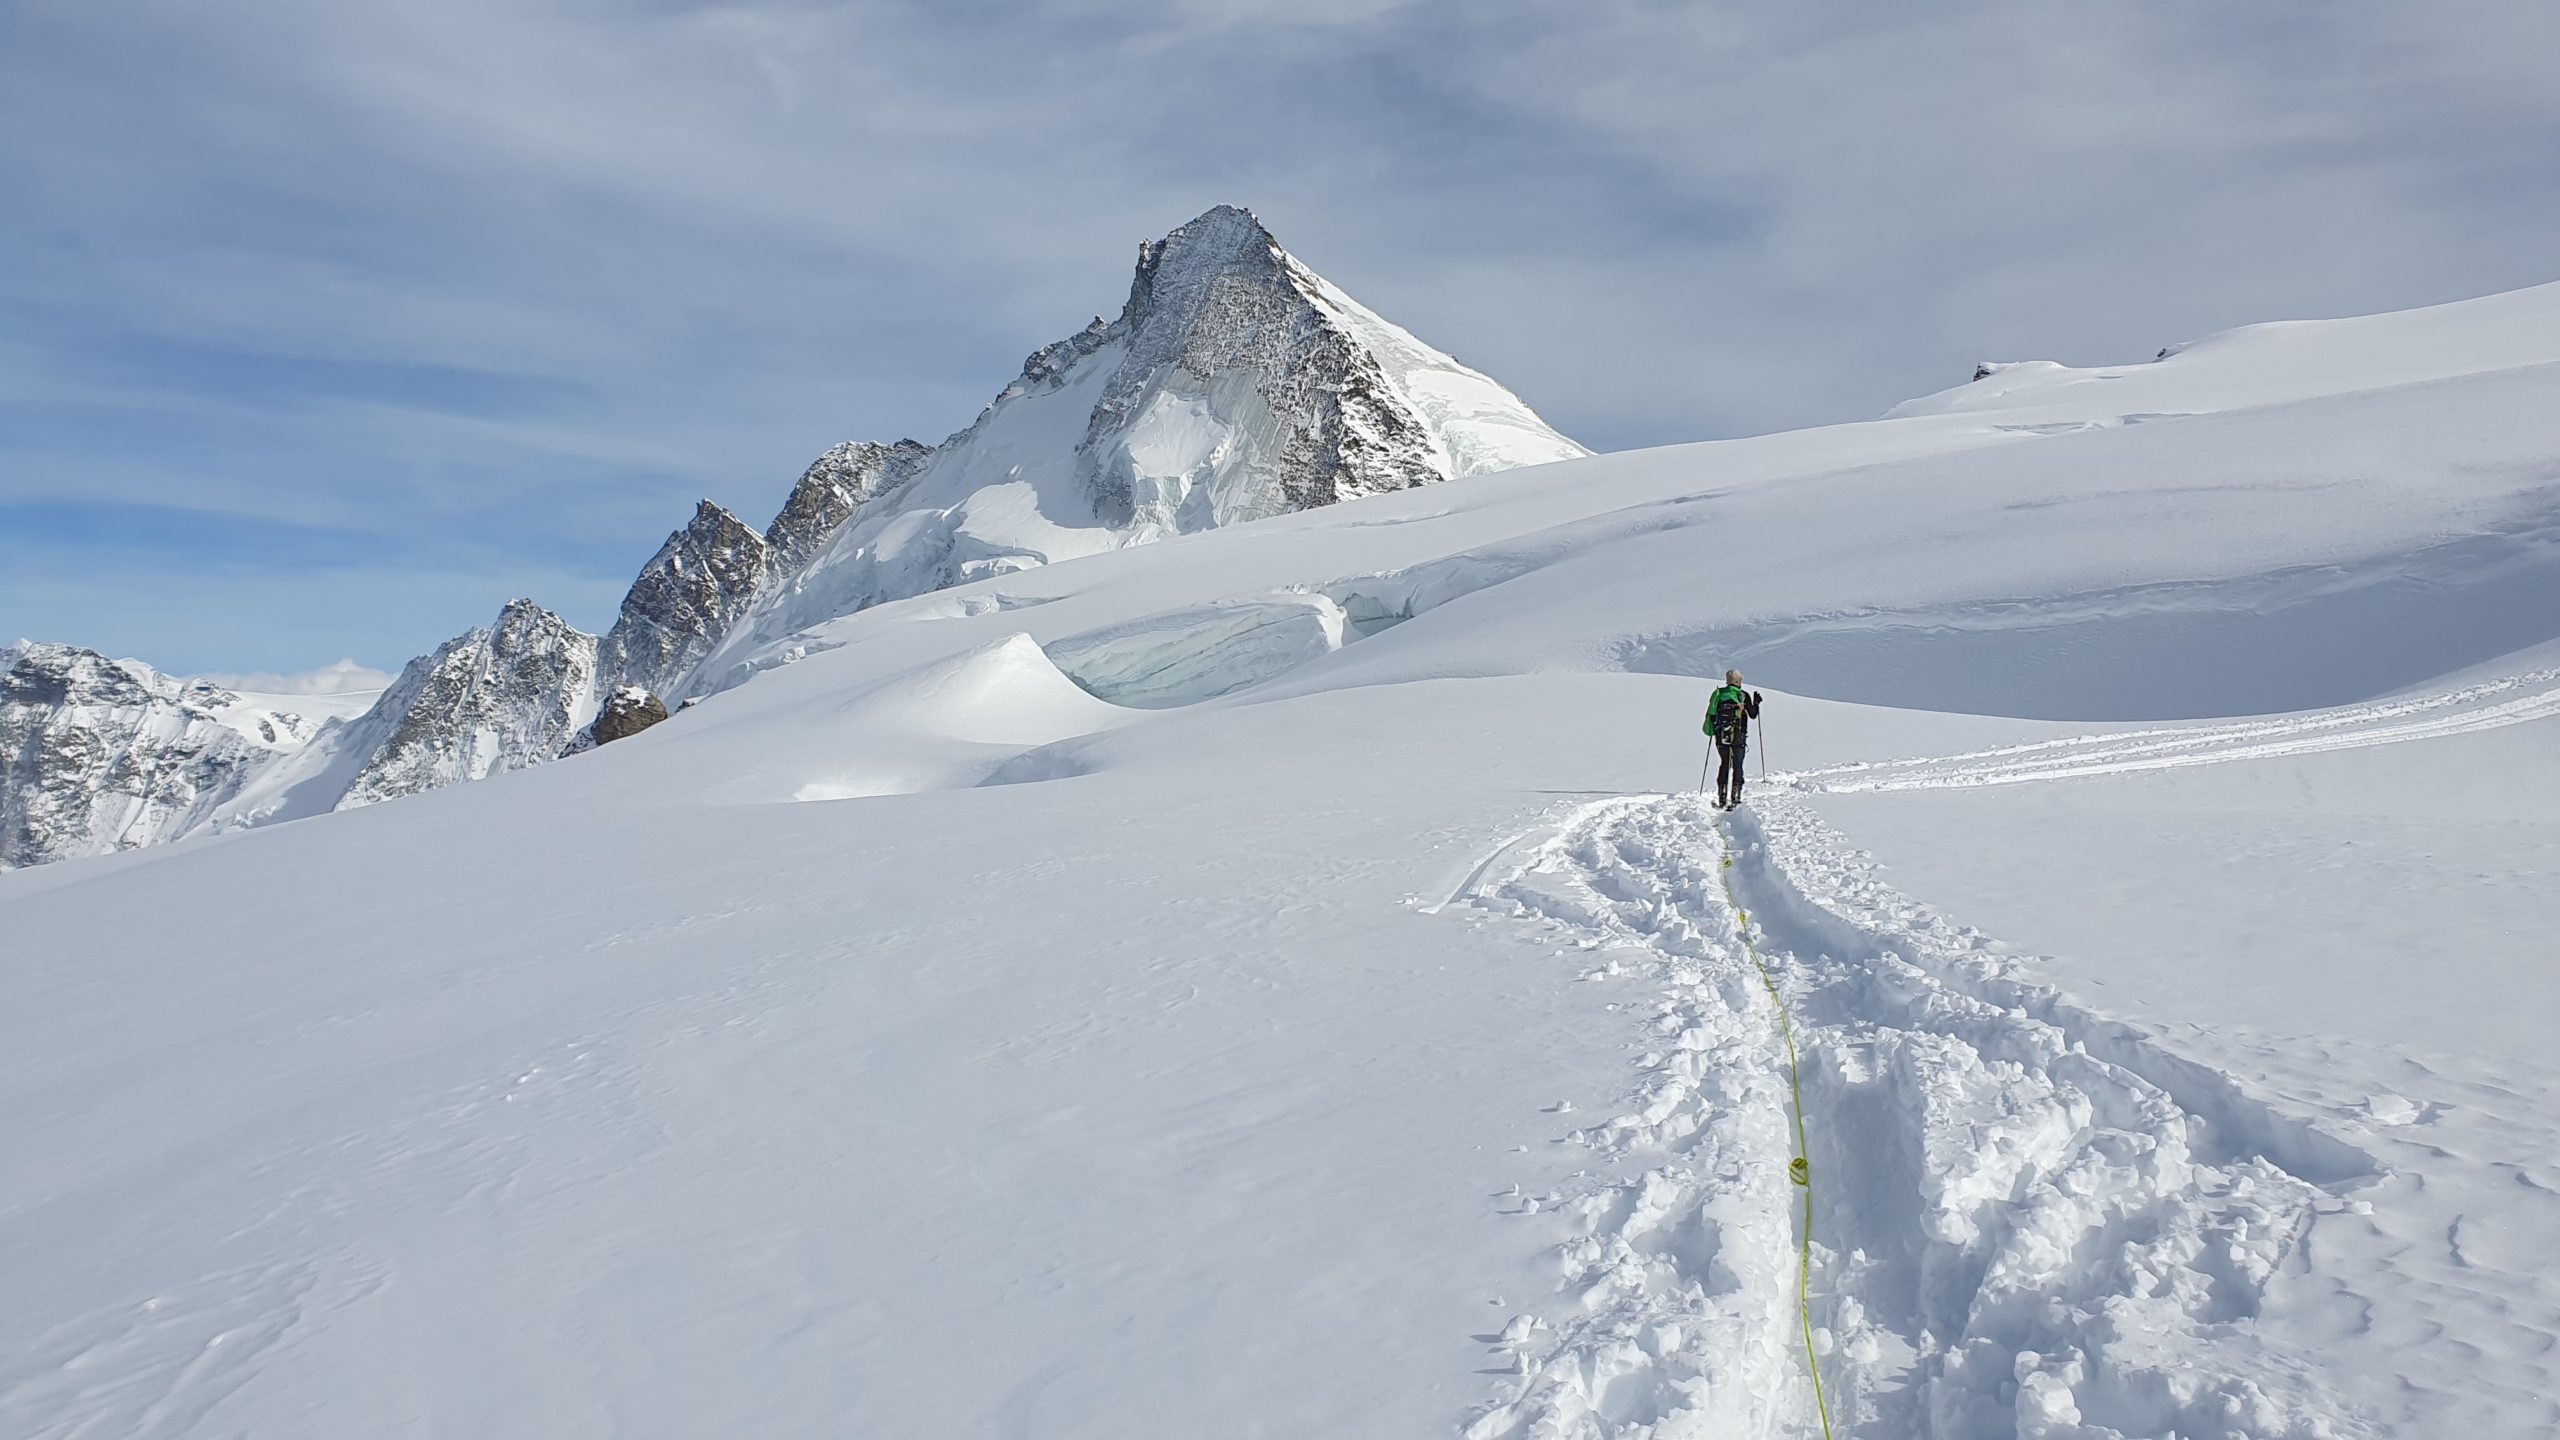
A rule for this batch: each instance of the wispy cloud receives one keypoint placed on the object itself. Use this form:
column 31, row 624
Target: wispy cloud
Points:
column 488, row 292
column 345, row 677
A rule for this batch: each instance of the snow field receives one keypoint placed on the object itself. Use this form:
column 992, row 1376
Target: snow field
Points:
column 2369, row 925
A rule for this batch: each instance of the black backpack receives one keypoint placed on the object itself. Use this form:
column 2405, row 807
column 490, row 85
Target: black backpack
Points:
column 1725, row 717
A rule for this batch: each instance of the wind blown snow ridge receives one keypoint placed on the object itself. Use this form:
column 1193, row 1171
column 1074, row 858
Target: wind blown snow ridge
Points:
column 2030, row 1221
column 2350, row 727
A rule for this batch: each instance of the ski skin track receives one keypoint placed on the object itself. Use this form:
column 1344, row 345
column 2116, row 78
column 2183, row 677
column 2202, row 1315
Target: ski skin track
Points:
column 2100, row 1215
column 2471, row 709
column 2067, row 1167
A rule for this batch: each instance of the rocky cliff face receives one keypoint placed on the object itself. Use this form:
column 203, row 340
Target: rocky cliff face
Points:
column 840, row 482
column 1235, row 384
column 686, row 600
column 491, row 700
column 98, row 755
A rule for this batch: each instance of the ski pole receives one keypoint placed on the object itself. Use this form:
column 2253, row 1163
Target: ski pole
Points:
column 1705, row 765
column 1764, row 749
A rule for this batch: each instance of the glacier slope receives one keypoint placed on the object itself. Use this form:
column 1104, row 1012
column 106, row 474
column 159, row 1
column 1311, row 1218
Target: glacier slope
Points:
column 1195, row 1075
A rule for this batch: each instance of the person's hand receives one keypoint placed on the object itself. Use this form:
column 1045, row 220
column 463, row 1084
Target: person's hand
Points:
column 1755, row 697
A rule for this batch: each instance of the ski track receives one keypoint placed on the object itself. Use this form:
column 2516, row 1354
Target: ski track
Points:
column 2513, row 700
column 2029, row 1222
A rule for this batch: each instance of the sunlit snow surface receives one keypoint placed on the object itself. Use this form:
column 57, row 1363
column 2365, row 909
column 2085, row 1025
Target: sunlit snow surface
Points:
column 1275, row 982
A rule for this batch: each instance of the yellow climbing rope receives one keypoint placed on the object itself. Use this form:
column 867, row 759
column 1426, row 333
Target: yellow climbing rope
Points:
column 1799, row 1168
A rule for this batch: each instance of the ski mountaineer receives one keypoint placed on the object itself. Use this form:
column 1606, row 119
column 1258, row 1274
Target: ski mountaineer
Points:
column 1730, row 712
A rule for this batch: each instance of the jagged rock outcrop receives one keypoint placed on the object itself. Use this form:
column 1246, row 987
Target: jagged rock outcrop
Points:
column 98, row 755
column 686, row 600
column 486, row 701
column 625, row 713
column 838, row 483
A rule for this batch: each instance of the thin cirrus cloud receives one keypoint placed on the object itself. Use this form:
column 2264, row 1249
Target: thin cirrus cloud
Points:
column 324, row 329
column 343, row 677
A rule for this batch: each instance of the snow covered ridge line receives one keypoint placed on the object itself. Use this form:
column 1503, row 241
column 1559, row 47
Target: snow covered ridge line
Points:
column 2231, row 367
column 2029, row 1220
column 1236, row 384
column 99, row 754
column 2511, row 700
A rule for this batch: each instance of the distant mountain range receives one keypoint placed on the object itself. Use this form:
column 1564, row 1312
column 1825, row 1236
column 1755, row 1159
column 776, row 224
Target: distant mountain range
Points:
column 1236, row 384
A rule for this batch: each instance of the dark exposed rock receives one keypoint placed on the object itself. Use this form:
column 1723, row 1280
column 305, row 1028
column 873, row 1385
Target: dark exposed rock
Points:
column 626, row 712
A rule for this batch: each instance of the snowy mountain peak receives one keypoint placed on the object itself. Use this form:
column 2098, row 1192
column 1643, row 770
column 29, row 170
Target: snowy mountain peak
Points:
column 1235, row 384
column 1247, row 385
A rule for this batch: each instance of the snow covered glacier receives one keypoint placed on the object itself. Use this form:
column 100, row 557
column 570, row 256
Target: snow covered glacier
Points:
column 1357, row 1028
column 1236, row 384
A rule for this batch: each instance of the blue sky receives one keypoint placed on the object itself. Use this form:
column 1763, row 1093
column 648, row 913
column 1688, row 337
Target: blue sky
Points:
column 326, row 328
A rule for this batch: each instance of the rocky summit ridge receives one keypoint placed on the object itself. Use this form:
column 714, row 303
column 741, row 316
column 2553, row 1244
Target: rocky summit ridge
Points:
column 1235, row 384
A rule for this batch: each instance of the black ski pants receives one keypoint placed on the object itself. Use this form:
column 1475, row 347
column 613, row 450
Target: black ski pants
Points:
column 1729, row 764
